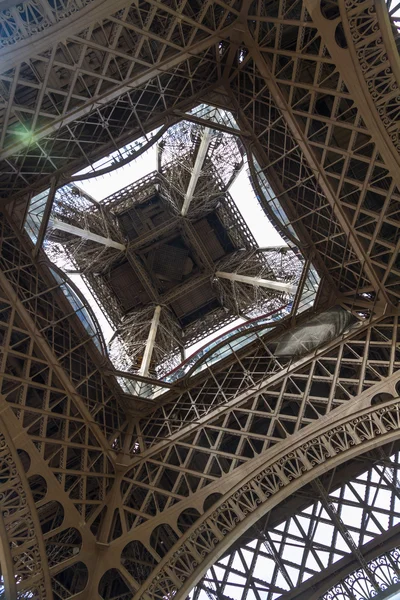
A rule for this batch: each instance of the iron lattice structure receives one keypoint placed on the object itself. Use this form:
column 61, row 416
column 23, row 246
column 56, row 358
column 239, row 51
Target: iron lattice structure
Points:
column 280, row 443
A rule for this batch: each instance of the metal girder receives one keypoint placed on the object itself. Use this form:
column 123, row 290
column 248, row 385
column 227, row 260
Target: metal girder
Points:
column 47, row 353
column 294, row 125
column 258, row 281
column 224, row 425
column 85, row 234
column 312, row 546
column 101, row 100
column 330, row 577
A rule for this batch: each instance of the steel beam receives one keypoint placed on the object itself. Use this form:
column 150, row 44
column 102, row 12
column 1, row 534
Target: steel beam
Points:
column 198, row 165
column 148, row 353
column 114, row 93
column 276, row 286
column 318, row 170
column 45, row 218
column 85, row 234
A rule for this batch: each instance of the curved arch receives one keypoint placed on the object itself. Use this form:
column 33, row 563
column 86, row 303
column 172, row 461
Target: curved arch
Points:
column 368, row 30
column 112, row 585
column 187, row 518
column 269, row 483
column 211, row 500
column 191, row 364
column 302, row 543
column 382, row 566
column 73, row 578
column 80, row 305
column 163, row 538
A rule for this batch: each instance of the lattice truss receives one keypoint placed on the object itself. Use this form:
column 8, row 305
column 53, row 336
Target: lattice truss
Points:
column 296, row 98
column 282, row 264
column 98, row 61
column 73, row 207
column 63, row 464
column 327, row 138
column 289, row 90
column 72, row 442
column 127, row 345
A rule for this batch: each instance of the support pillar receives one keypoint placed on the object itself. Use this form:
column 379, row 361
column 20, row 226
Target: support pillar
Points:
column 198, row 165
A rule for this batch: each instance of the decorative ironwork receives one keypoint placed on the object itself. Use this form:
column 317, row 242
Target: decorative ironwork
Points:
column 369, row 35
column 303, row 550
column 31, row 17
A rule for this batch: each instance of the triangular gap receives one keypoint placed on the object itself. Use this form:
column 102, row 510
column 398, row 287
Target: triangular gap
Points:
column 153, row 471
column 20, row 342
column 182, row 487
column 173, row 457
column 349, row 349
column 281, row 581
column 116, row 526
column 93, row 459
column 324, row 368
column 329, row 77
column 323, row 557
column 182, row 453
column 284, row 69
column 58, row 403
column 311, row 564
column 372, row 375
column 76, row 432
column 379, row 334
column 247, row 557
column 302, row 100
column 350, row 495
column 266, row 401
column 215, row 468
column 32, row 421
column 206, row 438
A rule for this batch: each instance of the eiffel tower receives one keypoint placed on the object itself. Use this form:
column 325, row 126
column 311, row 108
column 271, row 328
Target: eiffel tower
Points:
column 264, row 464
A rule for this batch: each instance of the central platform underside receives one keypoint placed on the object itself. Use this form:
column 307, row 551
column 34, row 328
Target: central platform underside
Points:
column 169, row 258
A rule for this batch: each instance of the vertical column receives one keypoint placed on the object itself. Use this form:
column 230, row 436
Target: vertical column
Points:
column 144, row 369
column 198, row 165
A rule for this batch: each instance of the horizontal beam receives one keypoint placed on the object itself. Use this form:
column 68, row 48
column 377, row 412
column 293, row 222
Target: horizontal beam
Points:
column 276, row 286
column 85, row 234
